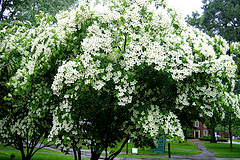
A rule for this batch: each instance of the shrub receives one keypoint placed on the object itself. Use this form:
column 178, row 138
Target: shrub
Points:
column 206, row 138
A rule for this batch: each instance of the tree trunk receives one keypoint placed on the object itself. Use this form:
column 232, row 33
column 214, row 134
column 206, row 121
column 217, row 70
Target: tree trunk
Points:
column 79, row 154
column 95, row 156
column 22, row 151
column 23, row 155
column 230, row 134
column 28, row 157
column 213, row 140
column 4, row 5
column 75, row 153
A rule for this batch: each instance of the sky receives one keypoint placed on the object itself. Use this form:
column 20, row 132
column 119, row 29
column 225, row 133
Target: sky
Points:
column 187, row 6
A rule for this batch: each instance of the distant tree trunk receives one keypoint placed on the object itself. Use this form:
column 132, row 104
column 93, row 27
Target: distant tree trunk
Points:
column 185, row 134
column 3, row 8
column 230, row 132
column 213, row 139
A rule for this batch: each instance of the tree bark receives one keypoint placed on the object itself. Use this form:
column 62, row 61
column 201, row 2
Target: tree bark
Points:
column 95, row 156
column 213, row 140
column 79, row 154
column 28, row 157
column 23, row 155
column 74, row 152
column 230, row 134
column 3, row 8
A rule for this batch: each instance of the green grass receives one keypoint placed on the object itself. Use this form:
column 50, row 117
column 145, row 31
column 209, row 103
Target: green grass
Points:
column 138, row 156
column 235, row 140
column 183, row 145
column 5, row 155
column 41, row 150
column 184, row 148
column 182, row 152
column 223, row 149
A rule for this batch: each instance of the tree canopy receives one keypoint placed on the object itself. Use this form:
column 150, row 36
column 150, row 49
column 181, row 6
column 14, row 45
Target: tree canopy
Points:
column 125, row 72
column 26, row 10
column 220, row 17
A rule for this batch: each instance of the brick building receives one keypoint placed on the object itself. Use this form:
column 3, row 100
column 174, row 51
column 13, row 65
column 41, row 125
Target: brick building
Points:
column 200, row 130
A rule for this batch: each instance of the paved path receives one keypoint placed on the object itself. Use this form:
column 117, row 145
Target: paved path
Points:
column 233, row 142
column 206, row 154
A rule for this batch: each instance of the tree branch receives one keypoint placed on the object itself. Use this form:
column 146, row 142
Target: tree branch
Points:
column 111, row 157
column 125, row 42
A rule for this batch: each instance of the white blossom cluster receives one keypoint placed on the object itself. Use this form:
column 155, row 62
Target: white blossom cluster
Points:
column 38, row 46
column 155, row 122
column 232, row 101
column 72, row 20
column 24, row 125
column 63, row 122
column 27, row 116
column 235, row 48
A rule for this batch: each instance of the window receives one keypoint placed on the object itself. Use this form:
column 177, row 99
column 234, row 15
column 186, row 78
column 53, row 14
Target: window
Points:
column 196, row 124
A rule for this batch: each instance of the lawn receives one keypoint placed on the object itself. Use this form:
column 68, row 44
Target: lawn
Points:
column 236, row 140
column 183, row 148
column 41, row 150
column 5, row 155
column 223, row 149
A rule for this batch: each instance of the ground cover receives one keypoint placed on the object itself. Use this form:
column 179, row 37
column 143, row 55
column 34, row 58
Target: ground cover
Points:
column 5, row 155
column 139, row 156
column 236, row 140
column 223, row 149
column 183, row 148
column 41, row 150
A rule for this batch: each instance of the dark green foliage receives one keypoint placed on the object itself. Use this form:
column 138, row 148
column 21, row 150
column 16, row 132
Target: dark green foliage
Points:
column 206, row 138
column 24, row 10
column 220, row 17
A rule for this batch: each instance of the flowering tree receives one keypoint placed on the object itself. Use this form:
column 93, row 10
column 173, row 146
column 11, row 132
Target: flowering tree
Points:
column 27, row 118
column 123, row 72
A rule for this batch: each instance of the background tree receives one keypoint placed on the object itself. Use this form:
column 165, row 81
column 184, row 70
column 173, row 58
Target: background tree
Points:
column 220, row 17
column 26, row 10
